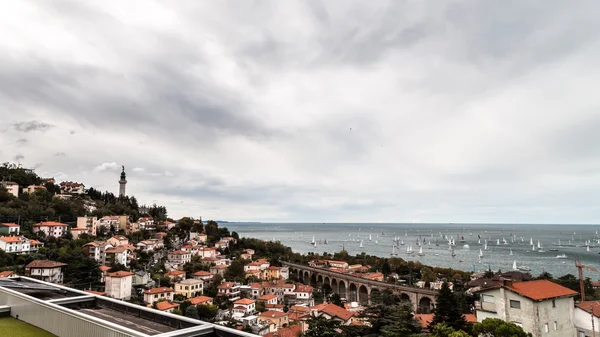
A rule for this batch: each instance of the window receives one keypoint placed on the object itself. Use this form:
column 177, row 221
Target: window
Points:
column 487, row 298
column 546, row 329
column 555, row 325
column 515, row 304
column 554, row 303
column 581, row 334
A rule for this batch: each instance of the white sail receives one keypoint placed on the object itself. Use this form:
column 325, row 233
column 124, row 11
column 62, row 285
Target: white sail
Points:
column 480, row 253
column 539, row 245
column 511, row 253
column 514, row 265
column 313, row 240
column 587, row 249
column 533, row 248
column 394, row 251
column 485, row 245
column 370, row 239
column 531, row 241
column 498, row 242
column 421, row 251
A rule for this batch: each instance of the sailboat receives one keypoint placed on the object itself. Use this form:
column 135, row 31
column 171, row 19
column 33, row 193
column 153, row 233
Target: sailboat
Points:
column 515, row 267
column 394, row 251
column 521, row 268
column 533, row 248
column 587, row 249
column 361, row 244
column 561, row 256
column 511, row 253
column 497, row 242
column 409, row 250
column 401, row 242
column 485, row 245
column 531, row 241
column 539, row 246
column 313, row 240
column 480, row 254
column 421, row 251
column 325, row 242
column 370, row 239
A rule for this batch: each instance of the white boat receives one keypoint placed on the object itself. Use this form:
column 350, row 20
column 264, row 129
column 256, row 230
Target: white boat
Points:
column 531, row 241
column 409, row 250
column 533, row 248
column 587, row 249
column 376, row 242
column 394, row 251
column 497, row 242
column 370, row 239
column 361, row 244
column 561, row 256
column 514, row 267
column 521, row 268
column 485, row 245
column 480, row 254
column 421, row 251
column 402, row 242
column 511, row 253
column 313, row 240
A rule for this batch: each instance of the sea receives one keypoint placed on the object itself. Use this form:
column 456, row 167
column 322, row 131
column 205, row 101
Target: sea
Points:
column 555, row 248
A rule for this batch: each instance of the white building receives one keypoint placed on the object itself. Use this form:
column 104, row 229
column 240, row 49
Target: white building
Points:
column 11, row 187
column 69, row 187
column 50, row 228
column 9, row 229
column 244, row 307
column 119, row 254
column 15, row 244
column 45, row 270
column 179, row 257
column 118, row 285
column 157, row 294
column 540, row 307
column 585, row 313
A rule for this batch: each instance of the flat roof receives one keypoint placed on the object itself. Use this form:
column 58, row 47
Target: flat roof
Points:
column 129, row 321
column 43, row 292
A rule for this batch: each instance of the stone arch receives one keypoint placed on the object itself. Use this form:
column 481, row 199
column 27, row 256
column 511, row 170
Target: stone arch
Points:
column 425, row 304
column 404, row 298
column 343, row 290
column 334, row 286
column 326, row 280
column 353, row 293
column 313, row 280
column 320, row 281
column 306, row 277
column 363, row 294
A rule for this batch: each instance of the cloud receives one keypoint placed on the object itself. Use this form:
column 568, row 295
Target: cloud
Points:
column 104, row 167
column 32, row 126
column 21, row 141
column 59, row 154
column 313, row 111
column 19, row 157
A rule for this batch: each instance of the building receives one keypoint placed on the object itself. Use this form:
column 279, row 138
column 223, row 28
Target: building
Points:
column 88, row 222
column 179, row 257
column 118, row 255
column 118, row 285
column 118, row 240
column 69, row 187
column 166, row 306
column 272, row 273
column 189, row 288
column 244, row 307
column 202, row 275
column 7, row 273
column 229, row 289
column 585, row 318
column 277, row 318
column 176, row 275
column 50, row 228
column 292, row 331
column 157, row 294
column 142, row 278
column 9, row 229
column 268, row 299
column 334, row 312
column 34, row 188
column 540, row 307
column 45, row 270
column 201, row 300
column 11, row 187
column 304, row 294
column 122, row 183
column 15, row 244
column 219, row 269
column 76, row 232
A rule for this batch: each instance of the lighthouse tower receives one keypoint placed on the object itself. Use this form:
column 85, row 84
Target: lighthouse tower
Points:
column 122, row 183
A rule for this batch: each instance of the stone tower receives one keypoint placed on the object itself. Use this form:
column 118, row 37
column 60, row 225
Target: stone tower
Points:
column 122, row 183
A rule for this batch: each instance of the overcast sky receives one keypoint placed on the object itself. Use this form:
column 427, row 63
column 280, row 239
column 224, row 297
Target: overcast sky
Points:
column 393, row 111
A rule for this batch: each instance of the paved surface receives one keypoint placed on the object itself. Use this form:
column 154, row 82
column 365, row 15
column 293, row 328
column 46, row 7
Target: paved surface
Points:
column 128, row 321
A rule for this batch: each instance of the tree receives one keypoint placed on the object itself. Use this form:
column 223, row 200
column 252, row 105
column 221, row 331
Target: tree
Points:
column 235, row 270
column 336, row 299
column 207, row 312
column 191, row 312
column 321, row 327
column 447, row 310
column 386, row 318
column 403, row 323
column 260, row 307
column 494, row 327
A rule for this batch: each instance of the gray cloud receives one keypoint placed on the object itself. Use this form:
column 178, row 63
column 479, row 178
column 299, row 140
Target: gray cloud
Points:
column 457, row 115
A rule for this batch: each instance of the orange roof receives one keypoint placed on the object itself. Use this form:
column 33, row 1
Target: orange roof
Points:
column 293, row 331
column 49, row 224
column 158, row 290
column 593, row 307
column 299, row 308
column 335, row 311
column 301, row 288
column 200, row 300
column 78, row 229
column 425, row 319
column 104, row 268
column 118, row 249
column 9, row 225
column 273, row 306
column 244, row 301
column 179, row 252
column 256, row 285
column 120, row 273
column 201, row 273
column 6, row 273
column 44, row 264
column 540, row 289
column 165, row 305
column 267, row 297
column 274, row 268
column 176, row 272
column 34, row 242
column 221, row 266
column 226, row 285
column 12, row 238
column 272, row 314
column 296, row 316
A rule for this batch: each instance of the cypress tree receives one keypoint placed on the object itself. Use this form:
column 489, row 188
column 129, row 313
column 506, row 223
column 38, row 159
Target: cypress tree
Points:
column 447, row 310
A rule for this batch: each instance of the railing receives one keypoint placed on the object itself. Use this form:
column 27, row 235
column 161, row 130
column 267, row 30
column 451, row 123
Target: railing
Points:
column 361, row 280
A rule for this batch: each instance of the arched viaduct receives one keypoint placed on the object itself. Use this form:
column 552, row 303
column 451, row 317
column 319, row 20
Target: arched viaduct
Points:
column 358, row 289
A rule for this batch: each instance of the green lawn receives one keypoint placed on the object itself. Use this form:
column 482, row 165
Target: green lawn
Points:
column 11, row 327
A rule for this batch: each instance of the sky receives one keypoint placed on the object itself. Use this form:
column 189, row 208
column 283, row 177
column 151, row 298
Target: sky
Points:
column 324, row 111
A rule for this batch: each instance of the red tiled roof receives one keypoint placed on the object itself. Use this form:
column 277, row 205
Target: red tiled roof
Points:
column 273, row 306
column 267, row 297
column 176, row 272
column 78, row 229
column 165, row 305
column 34, row 242
column 201, row 273
column 200, row 300
column 179, row 252
column 226, row 285
column 118, row 249
column 244, row 301
column 593, row 307
column 44, row 264
column 49, row 224
column 272, row 314
column 104, row 268
column 12, row 238
column 335, row 311
column 9, row 225
column 99, row 293
column 301, row 288
column 293, row 331
column 158, row 290
column 425, row 319
column 540, row 289
column 6, row 273
column 120, row 273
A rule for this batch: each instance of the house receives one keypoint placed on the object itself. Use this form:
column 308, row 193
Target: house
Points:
column 254, row 290
column 166, row 306
column 425, row 319
column 292, row 331
column 170, row 225
column 11, row 187
column 317, row 263
column 147, row 245
column 254, row 273
column 189, row 288
column 7, row 273
column 50, row 228
column 202, row 275
column 540, row 307
column 179, row 257
column 338, row 264
column 304, row 294
column 69, row 187
column 334, row 312
column 373, row 276
column 201, row 300
column 221, row 244
column 103, row 272
column 96, row 250
column 280, row 289
column 202, row 237
column 157, row 294
column 34, row 245
column 252, row 266
column 284, row 272
column 207, row 251
column 118, row 240
column 229, row 289
column 244, row 307
column 219, row 269
column 274, row 317
column 142, row 278
column 586, row 318
column 9, row 229
column 88, row 222
column 272, row 273
column 15, row 244
column 76, row 232
column 268, row 299
column 146, row 223
column 45, row 270
column 118, row 254
column 298, row 312
column 34, row 188
column 118, row 285
column 176, row 275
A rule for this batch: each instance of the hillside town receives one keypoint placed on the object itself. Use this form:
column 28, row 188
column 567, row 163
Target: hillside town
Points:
column 198, row 269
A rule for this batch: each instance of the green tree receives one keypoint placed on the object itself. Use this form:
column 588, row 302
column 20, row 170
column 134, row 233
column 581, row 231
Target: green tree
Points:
column 236, row 272
column 191, row 312
column 321, row 327
column 260, row 307
column 494, row 327
column 447, row 310
column 336, row 299
column 207, row 312
column 390, row 318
